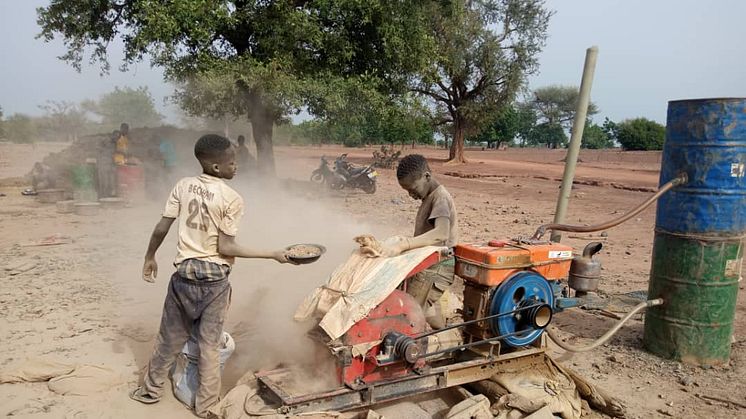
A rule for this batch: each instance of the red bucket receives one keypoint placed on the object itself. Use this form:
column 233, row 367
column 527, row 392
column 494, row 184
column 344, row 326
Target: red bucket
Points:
column 131, row 183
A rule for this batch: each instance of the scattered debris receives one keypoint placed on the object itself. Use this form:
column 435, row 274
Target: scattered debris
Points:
column 52, row 240
column 386, row 158
column 721, row 400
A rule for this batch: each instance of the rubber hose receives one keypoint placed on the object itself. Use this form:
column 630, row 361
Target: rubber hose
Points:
column 680, row 180
column 600, row 341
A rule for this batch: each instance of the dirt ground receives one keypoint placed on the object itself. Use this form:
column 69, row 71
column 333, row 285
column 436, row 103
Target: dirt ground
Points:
column 83, row 302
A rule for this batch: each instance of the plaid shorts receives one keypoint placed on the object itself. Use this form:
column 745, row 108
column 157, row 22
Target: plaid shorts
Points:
column 202, row 270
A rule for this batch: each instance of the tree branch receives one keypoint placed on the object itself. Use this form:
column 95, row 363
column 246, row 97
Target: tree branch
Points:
column 431, row 94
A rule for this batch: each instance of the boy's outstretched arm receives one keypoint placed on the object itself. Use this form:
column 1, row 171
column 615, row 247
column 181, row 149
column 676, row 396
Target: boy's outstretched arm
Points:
column 227, row 246
column 435, row 237
column 150, row 267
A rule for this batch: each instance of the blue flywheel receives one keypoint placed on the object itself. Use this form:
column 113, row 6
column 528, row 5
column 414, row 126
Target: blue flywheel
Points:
column 523, row 289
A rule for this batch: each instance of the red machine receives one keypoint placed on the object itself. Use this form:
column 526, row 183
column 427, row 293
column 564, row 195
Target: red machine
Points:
column 511, row 290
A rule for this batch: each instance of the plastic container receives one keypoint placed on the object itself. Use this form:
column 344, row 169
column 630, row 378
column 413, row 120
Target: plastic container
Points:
column 87, row 208
column 131, row 183
column 65, row 207
column 185, row 375
column 50, row 196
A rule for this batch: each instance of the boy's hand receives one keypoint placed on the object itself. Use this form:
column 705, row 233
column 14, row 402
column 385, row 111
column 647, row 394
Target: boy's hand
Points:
column 393, row 246
column 149, row 270
column 282, row 257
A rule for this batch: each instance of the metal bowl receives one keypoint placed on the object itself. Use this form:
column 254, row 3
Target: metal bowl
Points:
column 311, row 252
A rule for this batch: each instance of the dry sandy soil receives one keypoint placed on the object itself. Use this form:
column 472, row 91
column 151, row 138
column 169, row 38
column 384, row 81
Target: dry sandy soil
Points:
column 83, row 302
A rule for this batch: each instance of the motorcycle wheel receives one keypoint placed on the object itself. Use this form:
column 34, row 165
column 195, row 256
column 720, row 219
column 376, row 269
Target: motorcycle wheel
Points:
column 337, row 184
column 370, row 188
column 317, row 177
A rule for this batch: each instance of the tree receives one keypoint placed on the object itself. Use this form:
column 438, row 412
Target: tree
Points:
column 485, row 50
column 526, row 122
column 133, row 106
column 64, row 118
column 595, row 137
column 20, row 128
column 551, row 134
column 640, row 134
column 557, row 104
column 502, row 129
column 2, row 128
column 399, row 122
column 262, row 60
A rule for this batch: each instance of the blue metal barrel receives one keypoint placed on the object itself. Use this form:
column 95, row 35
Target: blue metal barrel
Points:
column 700, row 226
column 705, row 138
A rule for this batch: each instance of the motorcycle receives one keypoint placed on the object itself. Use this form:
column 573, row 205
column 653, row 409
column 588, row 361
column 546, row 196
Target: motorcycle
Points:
column 363, row 177
column 323, row 174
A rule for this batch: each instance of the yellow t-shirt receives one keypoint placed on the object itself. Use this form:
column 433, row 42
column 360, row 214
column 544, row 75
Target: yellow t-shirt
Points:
column 120, row 156
column 203, row 205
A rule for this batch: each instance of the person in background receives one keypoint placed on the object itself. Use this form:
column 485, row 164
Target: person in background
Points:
column 153, row 168
column 169, row 158
column 246, row 162
column 105, row 167
column 41, row 177
column 121, row 152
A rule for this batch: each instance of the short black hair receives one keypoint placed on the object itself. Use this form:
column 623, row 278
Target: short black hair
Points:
column 211, row 146
column 412, row 165
column 241, row 139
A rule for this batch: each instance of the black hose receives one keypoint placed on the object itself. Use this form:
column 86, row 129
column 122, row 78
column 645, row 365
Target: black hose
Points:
column 679, row 180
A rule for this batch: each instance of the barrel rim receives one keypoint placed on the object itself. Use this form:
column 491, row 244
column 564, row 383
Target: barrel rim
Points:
column 711, row 99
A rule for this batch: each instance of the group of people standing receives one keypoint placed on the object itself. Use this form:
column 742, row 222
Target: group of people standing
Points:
column 158, row 162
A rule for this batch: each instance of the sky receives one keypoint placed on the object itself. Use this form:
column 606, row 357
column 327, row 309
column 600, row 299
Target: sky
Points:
column 650, row 52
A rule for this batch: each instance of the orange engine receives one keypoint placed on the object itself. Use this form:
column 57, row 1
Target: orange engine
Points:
column 493, row 263
column 515, row 278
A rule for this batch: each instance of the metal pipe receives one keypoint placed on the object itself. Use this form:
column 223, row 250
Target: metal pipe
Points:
column 469, row 345
column 680, row 180
column 607, row 335
column 576, row 136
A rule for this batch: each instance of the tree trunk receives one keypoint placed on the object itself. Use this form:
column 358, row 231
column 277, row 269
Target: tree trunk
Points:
column 261, row 129
column 456, row 155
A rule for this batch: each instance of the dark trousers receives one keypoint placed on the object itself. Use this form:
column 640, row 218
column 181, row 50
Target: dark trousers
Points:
column 198, row 306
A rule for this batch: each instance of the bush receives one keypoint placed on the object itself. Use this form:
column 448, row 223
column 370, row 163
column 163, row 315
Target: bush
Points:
column 640, row 134
column 386, row 158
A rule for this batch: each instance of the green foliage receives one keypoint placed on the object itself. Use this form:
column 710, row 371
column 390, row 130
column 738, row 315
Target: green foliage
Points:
column 133, row 106
column 611, row 129
column 262, row 60
column 403, row 121
column 526, row 121
column 551, row 134
column 485, row 51
column 20, row 128
column 556, row 105
column 595, row 137
column 502, row 129
column 640, row 134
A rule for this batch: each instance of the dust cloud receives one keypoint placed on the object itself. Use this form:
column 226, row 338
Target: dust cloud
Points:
column 265, row 293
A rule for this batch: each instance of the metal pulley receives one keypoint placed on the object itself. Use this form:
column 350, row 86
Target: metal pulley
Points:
column 523, row 327
column 585, row 272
